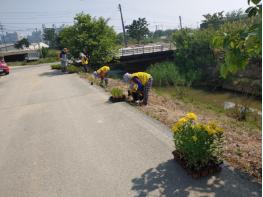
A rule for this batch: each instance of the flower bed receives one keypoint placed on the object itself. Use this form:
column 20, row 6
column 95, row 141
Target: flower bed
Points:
column 198, row 146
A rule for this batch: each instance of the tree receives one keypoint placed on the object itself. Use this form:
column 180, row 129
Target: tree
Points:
column 138, row 29
column 235, row 15
column 92, row 34
column 119, row 39
column 214, row 20
column 51, row 36
column 193, row 55
column 241, row 41
column 22, row 43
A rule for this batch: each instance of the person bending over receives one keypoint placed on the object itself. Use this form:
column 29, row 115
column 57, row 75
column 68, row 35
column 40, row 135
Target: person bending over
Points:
column 143, row 82
column 102, row 75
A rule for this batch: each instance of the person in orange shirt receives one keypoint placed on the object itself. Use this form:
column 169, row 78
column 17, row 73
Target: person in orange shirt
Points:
column 102, row 74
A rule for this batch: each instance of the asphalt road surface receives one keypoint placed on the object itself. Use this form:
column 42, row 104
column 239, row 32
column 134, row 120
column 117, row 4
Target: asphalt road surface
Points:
column 60, row 137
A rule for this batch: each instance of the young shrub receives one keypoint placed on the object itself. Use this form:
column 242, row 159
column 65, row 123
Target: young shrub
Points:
column 56, row 66
column 199, row 144
column 117, row 93
column 43, row 52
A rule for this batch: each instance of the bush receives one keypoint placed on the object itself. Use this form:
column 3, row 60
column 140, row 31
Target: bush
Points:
column 165, row 74
column 43, row 52
column 199, row 144
column 168, row 74
column 56, row 66
column 193, row 54
column 73, row 69
column 117, row 92
column 53, row 53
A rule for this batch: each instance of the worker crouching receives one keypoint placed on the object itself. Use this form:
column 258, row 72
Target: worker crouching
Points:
column 102, row 75
column 140, row 85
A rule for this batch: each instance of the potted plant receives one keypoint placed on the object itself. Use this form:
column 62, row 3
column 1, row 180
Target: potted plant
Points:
column 117, row 95
column 198, row 146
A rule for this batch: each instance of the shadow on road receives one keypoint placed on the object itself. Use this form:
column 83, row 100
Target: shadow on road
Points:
column 52, row 73
column 169, row 179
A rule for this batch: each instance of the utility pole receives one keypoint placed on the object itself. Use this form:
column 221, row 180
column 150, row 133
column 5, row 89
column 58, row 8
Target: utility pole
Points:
column 156, row 27
column 3, row 36
column 180, row 22
column 123, row 28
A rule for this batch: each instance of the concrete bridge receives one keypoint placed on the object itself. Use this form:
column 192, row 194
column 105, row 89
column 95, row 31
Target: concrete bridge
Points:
column 20, row 54
column 139, row 58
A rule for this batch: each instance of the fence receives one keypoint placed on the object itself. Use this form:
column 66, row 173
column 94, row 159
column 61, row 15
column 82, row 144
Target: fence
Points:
column 145, row 49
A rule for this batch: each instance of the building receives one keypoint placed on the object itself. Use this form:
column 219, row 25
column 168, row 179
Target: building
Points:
column 10, row 38
column 36, row 36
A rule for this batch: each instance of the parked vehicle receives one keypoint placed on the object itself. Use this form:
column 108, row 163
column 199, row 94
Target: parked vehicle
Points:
column 4, row 69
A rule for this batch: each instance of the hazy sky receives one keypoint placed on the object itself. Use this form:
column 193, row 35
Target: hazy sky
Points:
column 25, row 15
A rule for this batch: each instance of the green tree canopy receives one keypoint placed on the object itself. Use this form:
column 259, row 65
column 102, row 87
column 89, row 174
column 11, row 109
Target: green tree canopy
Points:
column 22, row 43
column 92, row 34
column 241, row 41
column 138, row 30
column 213, row 20
column 50, row 35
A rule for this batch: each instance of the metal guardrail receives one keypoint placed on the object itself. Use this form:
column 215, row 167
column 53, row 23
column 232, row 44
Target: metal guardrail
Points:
column 17, row 52
column 144, row 49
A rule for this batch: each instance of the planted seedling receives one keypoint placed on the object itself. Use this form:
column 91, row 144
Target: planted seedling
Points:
column 117, row 95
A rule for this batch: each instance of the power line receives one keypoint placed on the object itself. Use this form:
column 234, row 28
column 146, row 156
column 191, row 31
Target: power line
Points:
column 38, row 23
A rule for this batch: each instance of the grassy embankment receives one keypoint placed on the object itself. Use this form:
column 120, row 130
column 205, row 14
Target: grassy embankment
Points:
column 174, row 98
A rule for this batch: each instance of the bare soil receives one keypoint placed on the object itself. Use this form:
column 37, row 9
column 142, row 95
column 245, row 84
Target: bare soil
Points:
column 242, row 144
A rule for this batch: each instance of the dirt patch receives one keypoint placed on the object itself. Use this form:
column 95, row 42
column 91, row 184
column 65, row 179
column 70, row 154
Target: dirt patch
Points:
column 242, row 144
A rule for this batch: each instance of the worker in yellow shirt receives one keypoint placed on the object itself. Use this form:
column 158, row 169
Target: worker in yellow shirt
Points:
column 136, row 94
column 85, row 62
column 141, row 81
column 102, row 74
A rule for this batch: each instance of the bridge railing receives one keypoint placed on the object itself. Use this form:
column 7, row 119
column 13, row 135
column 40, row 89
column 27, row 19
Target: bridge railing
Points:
column 144, row 49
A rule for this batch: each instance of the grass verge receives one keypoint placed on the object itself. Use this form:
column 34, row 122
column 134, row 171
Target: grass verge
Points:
column 40, row 61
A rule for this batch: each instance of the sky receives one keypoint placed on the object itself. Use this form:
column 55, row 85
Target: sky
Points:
column 24, row 16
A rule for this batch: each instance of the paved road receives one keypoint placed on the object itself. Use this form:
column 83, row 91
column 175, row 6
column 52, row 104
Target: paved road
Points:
column 59, row 137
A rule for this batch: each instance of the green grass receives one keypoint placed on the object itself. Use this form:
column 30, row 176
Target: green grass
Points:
column 215, row 98
column 53, row 53
column 55, row 66
column 52, row 56
column 40, row 61
column 70, row 68
column 73, row 69
column 214, row 101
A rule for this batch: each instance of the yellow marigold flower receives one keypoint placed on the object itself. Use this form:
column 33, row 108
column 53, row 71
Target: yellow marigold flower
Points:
column 212, row 128
column 178, row 124
column 182, row 120
column 194, row 138
column 198, row 126
column 191, row 116
column 175, row 128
